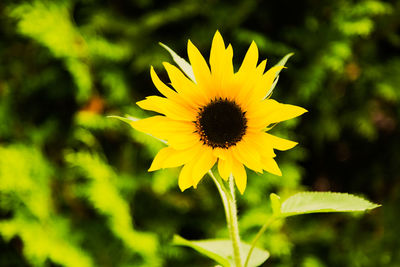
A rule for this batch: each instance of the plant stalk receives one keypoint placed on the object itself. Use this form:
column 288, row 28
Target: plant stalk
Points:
column 222, row 192
column 234, row 231
column 229, row 202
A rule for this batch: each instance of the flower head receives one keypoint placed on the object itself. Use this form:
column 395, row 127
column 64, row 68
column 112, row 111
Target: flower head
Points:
column 217, row 117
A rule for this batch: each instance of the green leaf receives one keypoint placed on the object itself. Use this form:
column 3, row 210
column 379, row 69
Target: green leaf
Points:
column 183, row 64
column 221, row 250
column 315, row 202
column 127, row 119
column 282, row 62
column 275, row 203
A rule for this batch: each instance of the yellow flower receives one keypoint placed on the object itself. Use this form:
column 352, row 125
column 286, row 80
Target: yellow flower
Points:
column 218, row 117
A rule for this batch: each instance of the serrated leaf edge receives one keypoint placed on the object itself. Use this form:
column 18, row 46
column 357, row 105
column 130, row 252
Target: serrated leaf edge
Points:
column 287, row 214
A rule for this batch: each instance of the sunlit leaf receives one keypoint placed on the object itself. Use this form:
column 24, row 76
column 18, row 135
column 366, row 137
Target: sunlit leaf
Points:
column 127, row 119
column 315, row 202
column 282, row 62
column 275, row 203
column 221, row 250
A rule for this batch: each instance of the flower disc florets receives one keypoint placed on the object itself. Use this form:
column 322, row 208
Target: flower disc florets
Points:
column 221, row 123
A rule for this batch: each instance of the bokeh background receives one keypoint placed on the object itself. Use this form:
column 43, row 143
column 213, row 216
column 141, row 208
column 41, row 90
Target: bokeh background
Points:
column 74, row 187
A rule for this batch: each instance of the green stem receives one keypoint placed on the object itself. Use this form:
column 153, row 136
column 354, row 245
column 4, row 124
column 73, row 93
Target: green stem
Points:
column 234, row 231
column 229, row 201
column 222, row 192
column 259, row 234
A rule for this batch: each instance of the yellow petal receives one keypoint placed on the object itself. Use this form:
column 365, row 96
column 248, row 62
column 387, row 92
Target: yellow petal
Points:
column 203, row 163
column 170, row 158
column 158, row 160
column 161, row 127
column 250, row 60
column 228, row 60
column 248, row 155
column 285, row 112
column 223, row 77
column 270, row 165
column 225, row 167
column 185, row 179
column 217, row 55
column 195, row 169
column 199, row 65
column 260, row 140
column 261, row 67
column 220, row 152
column 149, row 125
column 269, row 111
column 168, row 108
column 240, row 175
column 221, row 64
column 161, row 87
column 265, row 83
column 248, row 81
column 183, row 141
column 185, row 87
column 279, row 143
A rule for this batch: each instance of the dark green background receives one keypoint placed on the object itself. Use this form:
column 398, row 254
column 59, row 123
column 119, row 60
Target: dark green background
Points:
column 74, row 190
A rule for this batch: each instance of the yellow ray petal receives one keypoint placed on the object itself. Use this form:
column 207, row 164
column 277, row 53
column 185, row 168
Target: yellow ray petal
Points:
column 269, row 111
column 225, row 167
column 168, row 108
column 285, row 112
column 182, row 141
column 229, row 58
column 161, row 156
column 265, row 83
column 261, row 67
column 161, row 127
column 221, row 64
column 270, row 165
column 199, row 65
column 203, row 163
column 250, row 60
column 217, row 55
column 161, row 87
column 150, row 126
column 248, row 155
column 278, row 143
column 220, row 152
column 185, row 87
column 185, row 179
column 247, row 82
column 240, row 175
column 260, row 141
column 170, row 158
column 224, row 77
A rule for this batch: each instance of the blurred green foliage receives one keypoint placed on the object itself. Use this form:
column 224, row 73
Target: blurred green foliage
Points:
column 74, row 187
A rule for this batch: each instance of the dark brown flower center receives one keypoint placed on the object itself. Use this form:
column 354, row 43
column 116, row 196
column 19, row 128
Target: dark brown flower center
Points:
column 221, row 123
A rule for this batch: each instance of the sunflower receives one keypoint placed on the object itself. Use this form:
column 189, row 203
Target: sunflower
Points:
column 217, row 117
